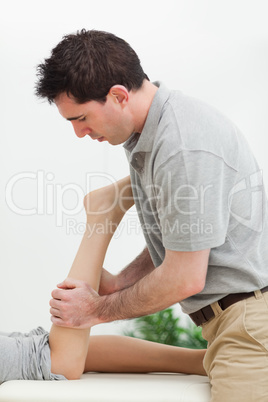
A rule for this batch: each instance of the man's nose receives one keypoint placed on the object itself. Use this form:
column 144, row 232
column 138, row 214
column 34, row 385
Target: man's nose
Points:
column 80, row 131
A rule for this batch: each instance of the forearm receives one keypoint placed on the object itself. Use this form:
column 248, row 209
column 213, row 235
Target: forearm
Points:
column 137, row 269
column 181, row 275
column 150, row 294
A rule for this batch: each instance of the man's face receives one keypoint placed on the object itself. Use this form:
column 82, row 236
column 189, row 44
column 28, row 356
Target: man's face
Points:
column 101, row 121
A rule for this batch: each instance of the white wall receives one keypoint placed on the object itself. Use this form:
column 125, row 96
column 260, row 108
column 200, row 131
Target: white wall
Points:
column 213, row 50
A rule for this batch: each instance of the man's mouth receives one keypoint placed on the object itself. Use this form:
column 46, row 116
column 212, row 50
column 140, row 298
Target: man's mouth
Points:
column 100, row 139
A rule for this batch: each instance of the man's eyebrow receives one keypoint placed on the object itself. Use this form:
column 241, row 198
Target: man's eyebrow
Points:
column 74, row 118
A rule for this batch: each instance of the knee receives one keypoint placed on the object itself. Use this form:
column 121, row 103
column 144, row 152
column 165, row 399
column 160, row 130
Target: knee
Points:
column 73, row 375
column 71, row 367
column 74, row 371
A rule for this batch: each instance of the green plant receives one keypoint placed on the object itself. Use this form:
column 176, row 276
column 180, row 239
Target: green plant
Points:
column 163, row 327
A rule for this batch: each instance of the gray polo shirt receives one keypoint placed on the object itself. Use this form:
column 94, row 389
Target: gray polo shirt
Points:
column 196, row 186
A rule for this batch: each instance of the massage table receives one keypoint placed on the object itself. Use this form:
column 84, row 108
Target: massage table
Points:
column 102, row 387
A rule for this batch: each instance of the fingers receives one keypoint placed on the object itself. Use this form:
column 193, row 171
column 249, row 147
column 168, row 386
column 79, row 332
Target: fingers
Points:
column 66, row 324
column 62, row 292
column 58, row 294
column 55, row 308
column 54, row 312
column 59, row 322
column 58, row 313
column 60, row 316
column 70, row 283
column 56, row 304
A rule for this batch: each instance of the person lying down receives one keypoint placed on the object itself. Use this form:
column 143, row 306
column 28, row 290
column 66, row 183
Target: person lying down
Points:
column 65, row 353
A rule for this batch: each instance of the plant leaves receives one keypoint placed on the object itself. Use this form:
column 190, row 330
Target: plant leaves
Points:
column 164, row 327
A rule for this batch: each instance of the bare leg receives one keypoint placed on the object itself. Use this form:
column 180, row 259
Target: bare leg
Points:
column 122, row 354
column 106, row 207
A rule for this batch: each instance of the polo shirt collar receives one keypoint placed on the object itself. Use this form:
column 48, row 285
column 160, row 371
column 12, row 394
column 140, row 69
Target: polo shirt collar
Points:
column 141, row 143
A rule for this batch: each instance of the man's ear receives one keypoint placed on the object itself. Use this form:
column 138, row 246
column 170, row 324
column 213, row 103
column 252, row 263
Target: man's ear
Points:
column 119, row 93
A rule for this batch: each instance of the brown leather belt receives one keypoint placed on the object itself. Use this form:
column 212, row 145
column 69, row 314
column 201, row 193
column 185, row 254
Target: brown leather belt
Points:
column 206, row 313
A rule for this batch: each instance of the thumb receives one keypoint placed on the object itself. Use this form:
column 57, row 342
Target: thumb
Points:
column 69, row 283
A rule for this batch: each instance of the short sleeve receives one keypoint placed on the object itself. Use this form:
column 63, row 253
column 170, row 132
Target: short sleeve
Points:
column 192, row 190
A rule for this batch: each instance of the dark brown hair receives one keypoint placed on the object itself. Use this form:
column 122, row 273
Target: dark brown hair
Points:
column 86, row 65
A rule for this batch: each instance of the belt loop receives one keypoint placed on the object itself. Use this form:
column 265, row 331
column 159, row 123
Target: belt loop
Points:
column 216, row 308
column 258, row 294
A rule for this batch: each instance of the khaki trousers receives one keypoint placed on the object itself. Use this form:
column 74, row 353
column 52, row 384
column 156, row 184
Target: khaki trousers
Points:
column 237, row 357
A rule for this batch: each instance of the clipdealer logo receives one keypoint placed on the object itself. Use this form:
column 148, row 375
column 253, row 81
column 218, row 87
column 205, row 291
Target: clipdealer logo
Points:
column 253, row 188
column 49, row 197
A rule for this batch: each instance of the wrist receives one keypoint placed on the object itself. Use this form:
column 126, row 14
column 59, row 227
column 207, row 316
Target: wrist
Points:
column 101, row 316
column 93, row 311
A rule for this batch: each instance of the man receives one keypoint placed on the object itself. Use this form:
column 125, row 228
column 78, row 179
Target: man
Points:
column 200, row 200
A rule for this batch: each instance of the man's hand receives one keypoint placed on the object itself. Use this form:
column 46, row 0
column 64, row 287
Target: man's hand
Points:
column 181, row 275
column 74, row 305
